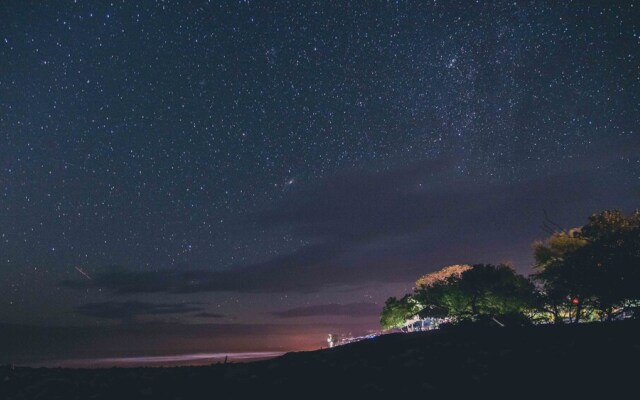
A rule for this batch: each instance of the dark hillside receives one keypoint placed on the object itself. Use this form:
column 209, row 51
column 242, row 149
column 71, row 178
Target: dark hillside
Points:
column 586, row 359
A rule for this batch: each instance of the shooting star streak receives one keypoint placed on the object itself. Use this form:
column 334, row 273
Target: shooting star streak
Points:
column 83, row 273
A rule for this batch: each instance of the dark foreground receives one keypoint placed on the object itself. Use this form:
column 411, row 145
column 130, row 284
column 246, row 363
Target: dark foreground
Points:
column 591, row 359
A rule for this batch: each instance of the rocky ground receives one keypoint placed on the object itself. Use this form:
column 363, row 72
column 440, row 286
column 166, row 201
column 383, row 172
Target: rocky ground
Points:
column 590, row 359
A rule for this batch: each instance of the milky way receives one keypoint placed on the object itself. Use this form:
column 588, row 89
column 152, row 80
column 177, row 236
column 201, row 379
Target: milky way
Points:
column 247, row 158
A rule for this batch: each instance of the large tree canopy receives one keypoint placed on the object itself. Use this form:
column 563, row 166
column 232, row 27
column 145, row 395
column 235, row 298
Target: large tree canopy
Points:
column 465, row 292
column 586, row 273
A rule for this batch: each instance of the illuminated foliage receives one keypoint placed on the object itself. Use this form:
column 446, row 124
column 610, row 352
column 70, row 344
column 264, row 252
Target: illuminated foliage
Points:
column 486, row 290
column 397, row 311
column 441, row 275
column 555, row 248
column 463, row 292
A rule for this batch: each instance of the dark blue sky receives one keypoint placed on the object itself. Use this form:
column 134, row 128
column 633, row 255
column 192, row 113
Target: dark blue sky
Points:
column 278, row 163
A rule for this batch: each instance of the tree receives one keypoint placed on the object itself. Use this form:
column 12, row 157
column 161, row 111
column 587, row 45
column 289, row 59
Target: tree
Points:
column 592, row 271
column 395, row 312
column 496, row 290
column 440, row 299
column 480, row 291
column 563, row 295
column 556, row 247
column 441, row 275
column 612, row 259
column 435, row 294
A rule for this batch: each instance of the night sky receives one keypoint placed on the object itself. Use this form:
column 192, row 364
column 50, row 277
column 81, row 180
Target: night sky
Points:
column 189, row 176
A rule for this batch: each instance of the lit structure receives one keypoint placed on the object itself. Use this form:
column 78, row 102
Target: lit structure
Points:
column 418, row 324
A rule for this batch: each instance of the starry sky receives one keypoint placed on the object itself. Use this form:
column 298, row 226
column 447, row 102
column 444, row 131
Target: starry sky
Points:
column 243, row 176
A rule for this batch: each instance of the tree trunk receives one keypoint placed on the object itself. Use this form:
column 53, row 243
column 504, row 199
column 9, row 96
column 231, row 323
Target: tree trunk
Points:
column 556, row 315
column 474, row 306
column 578, row 313
column 610, row 314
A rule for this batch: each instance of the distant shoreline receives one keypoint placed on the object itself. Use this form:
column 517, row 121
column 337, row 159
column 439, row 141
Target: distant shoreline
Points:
column 155, row 361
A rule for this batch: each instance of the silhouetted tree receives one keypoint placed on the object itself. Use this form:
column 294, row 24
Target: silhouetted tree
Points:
column 496, row 290
column 562, row 290
column 593, row 271
column 611, row 259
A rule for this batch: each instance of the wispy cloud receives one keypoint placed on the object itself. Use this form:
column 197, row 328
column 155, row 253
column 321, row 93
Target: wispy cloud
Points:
column 208, row 315
column 131, row 309
column 389, row 226
column 349, row 310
